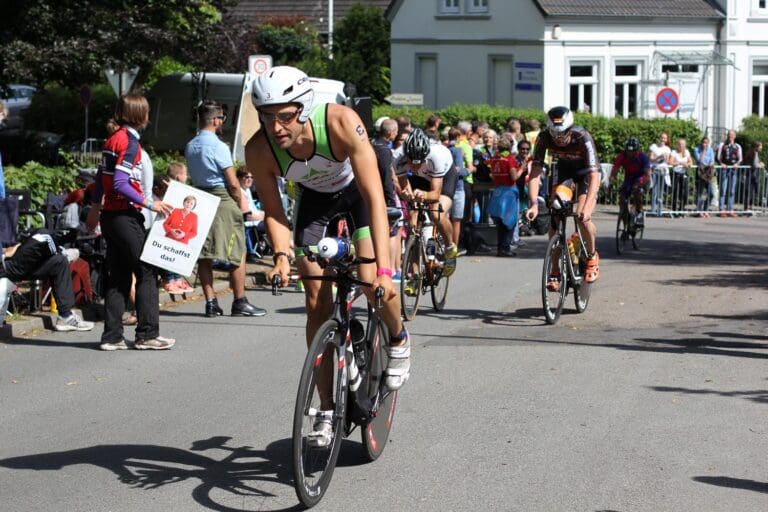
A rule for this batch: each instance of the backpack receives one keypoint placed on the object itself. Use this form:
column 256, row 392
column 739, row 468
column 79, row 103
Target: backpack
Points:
column 81, row 282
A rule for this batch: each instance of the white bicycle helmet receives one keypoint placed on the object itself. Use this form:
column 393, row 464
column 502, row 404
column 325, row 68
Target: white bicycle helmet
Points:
column 281, row 85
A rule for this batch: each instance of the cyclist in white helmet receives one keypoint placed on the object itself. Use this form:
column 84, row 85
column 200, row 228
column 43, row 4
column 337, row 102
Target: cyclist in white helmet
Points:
column 576, row 154
column 325, row 149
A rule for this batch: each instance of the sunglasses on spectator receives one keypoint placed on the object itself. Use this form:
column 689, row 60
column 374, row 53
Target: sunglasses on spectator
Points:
column 223, row 118
column 248, row 177
column 284, row 118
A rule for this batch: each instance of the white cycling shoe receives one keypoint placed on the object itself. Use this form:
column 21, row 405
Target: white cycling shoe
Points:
column 399, row 368
column 322, row 431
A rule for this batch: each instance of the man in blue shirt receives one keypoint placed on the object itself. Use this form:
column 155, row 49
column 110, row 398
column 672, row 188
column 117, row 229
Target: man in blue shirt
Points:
column 704, row 157
column 211, row 169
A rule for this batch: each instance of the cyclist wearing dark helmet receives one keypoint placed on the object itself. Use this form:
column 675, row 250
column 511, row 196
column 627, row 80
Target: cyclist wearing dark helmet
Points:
column 637, row 172
column 426, row 173
column 575, row 152
column 325, row 149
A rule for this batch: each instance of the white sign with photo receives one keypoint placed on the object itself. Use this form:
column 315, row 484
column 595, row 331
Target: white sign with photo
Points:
column 175, row 241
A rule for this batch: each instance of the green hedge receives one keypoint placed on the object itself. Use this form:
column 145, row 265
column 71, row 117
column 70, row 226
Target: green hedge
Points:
column 610, row 134
column 40, row 179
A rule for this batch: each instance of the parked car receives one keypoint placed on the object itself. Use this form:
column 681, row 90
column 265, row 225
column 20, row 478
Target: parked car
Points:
column 17, row 99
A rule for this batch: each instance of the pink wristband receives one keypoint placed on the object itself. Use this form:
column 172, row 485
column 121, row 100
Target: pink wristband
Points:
column 383, row 271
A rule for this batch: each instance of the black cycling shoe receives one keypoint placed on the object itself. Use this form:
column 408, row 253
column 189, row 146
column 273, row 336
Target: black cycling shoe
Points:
column 212, row 309
column 241, row 307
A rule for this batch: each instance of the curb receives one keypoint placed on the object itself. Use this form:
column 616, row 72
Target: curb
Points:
column 30, row 325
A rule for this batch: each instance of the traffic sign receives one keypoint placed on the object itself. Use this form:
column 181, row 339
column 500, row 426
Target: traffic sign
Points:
column 258, row 64
column 667, row 100
column 406, row 100
column 85, row 95
column 121, row 82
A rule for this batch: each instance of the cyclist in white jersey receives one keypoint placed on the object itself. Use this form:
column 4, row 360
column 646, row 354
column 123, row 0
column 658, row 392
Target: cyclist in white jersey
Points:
column 325, row 149
column 426, row 173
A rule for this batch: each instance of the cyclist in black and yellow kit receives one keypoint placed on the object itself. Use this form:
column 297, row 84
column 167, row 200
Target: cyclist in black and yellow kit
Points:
column 576, row 155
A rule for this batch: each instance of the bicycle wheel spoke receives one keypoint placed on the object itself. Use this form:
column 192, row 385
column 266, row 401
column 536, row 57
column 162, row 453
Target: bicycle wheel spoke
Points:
column 412, row 278
column 554, row 278
column 439, row 281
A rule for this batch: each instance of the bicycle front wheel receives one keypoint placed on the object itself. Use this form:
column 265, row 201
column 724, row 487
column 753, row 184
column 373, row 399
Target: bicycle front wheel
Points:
column 622, row 232
column 376, row 432
column 313, row 465
column 554, row 278
column 412, row 278
column 637, row 235
column 582, row 290
column 439, row 281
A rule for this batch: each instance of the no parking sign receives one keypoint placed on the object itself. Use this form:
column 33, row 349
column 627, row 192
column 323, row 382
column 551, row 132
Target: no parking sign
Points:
column 258, row 64
column 667, row 100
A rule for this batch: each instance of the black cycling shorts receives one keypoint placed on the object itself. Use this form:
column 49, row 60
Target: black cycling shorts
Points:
column 315, row 212
column 449, row 183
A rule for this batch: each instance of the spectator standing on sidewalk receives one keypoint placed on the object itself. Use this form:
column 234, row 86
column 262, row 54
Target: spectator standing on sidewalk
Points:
column 704, row 158
column 659, row 155
column 118, row 182
column 730, row 156
column 751, row 178
column 212, row 170
column 680, row 160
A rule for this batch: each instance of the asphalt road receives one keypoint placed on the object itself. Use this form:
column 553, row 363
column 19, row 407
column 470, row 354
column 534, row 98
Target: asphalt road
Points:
column 654, row 399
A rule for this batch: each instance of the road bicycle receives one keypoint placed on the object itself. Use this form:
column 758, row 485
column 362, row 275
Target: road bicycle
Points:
column 630, row 225
column 352, row 349
column 423, row 263
column 569, row 257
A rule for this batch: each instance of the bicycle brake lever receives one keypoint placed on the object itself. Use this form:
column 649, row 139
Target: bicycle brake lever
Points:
column 379, row 294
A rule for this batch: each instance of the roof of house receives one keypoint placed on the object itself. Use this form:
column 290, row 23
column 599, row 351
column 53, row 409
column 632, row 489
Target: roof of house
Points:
column 631, row 8
column 315, row 11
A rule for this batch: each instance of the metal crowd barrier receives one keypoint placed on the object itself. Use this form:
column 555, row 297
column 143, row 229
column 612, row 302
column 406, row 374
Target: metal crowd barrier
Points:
column 732, row 191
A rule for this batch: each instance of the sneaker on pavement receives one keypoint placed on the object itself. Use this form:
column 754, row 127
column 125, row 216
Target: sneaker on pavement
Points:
column 322, row 431
column 450, row 261
column 113, row 345
column 399, row 366
column 158, row 343
column 73, row 322
column 241, row 307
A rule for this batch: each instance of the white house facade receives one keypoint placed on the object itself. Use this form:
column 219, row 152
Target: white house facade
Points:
column 613, row 60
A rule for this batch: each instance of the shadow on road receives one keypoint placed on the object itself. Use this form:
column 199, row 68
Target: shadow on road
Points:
column 756, row 395
column 733, row 483
column 151, row 466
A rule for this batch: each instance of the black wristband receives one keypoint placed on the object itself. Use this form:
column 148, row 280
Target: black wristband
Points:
column 278, row 254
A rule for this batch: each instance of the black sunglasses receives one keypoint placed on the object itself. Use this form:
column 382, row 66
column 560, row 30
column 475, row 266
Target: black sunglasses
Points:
column 283, row 118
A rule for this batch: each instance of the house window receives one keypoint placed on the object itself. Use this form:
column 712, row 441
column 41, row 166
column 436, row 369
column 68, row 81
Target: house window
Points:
column 626, row 89
column 449, row 6
column 679, row 68
column 582, row 87
column 477, row 6
column 761, row 4
column 760, row 89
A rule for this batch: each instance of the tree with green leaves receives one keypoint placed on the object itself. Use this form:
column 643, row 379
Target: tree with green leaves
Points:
column 361, row 52
column 71, row 41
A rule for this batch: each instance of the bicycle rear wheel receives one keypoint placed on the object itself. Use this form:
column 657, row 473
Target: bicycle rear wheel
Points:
column 313, row 466
column 412, row 278
column 440, row 282
column 622, row 233
column 376, row 432
column 553, row 295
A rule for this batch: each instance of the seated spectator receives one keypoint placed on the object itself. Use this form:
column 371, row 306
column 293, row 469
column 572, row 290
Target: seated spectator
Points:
column 38, row 257
column 253, row 216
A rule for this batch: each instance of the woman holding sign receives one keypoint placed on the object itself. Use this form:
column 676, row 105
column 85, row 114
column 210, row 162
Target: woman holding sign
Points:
column 118, row 182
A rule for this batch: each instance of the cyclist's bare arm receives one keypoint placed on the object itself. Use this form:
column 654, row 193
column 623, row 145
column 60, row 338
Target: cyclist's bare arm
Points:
column 259, row 160
column 433, row 194
column 347, row 133
column 533, row 190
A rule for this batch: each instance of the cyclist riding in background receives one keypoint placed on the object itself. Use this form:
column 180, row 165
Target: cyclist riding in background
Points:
column 325, row 149
column 637, row 172
column 426, row 173
column 576, row 155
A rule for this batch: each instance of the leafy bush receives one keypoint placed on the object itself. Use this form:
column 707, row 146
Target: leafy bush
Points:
column 40, row 179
